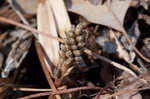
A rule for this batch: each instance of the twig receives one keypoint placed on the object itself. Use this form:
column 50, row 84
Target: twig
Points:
column 32, row 89
column 34, row 31
column 15, row 8
column 100, row 92
column 45, row 69
column 110, row 62
column 76, row 89
column 61, row 92
column 127, row 37
column 98, row 95
column 36, row 89
column 143, row 68
column 35, row 95
column 134, row 67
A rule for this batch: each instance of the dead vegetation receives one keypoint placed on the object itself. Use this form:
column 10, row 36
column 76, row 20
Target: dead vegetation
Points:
column 74, row 49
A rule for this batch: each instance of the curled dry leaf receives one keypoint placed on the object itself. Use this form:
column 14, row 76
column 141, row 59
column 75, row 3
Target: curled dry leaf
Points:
column 100, row 14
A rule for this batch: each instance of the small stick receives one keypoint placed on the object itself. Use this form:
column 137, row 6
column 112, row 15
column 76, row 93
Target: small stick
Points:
column 15, row 8
column 34, row 31
column 45, row 69
column 36, row 89
column 76, row 89
column 61, row 92
column 32, row 89
column 35, row 95
column 117, row 65
column 135, row 67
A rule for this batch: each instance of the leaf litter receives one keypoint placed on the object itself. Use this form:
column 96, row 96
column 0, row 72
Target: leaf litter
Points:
column 113, row 65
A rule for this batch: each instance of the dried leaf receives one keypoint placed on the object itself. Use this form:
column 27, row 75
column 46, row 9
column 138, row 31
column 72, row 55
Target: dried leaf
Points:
column 49, row 17
column 96, row 2
column 128, row 83
column 27, row 6
column 100, row 14
column 61, row 16
column 46, row 24
column 18, row 52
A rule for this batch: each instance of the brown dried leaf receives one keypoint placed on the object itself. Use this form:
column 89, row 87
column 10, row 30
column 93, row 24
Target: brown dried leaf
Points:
column 27, row 6
column 128, row 83
column 96, row 2
column 100, row 14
